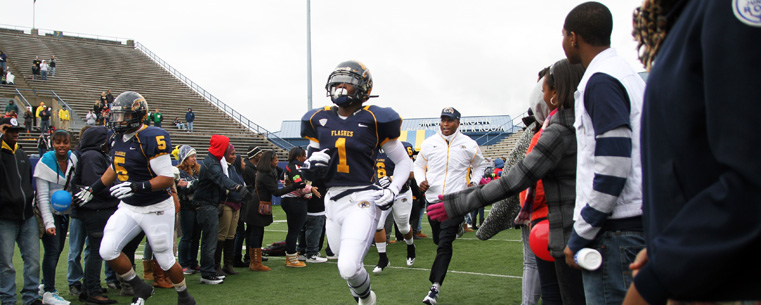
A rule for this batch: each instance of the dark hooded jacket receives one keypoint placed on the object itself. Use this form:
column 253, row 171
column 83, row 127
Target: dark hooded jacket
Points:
column 16, row 193
column 93, row 162
column 212, row 182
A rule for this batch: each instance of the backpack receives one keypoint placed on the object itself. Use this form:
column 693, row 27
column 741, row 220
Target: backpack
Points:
column 275, row 249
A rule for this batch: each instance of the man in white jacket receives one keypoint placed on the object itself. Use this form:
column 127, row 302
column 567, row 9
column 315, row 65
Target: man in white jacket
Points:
column 442, row 168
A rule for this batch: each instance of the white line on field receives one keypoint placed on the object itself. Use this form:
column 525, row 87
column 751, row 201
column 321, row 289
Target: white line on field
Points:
column 279, row 258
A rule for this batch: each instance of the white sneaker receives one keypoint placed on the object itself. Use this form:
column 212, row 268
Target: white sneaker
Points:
column 333, row 257
column 370, row 300
column 211, row 280
column 302, row 257
column 432, row 297
column 52, row 298
column 41, row 290
column 316, row 259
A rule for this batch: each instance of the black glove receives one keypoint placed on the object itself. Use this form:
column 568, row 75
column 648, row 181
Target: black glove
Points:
column 242, row 190
column 299, row 185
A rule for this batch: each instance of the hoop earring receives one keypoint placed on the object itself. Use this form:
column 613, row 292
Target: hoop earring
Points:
column 551, row 103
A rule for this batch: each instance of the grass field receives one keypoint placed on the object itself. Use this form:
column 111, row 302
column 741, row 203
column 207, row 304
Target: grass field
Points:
column 481, row 272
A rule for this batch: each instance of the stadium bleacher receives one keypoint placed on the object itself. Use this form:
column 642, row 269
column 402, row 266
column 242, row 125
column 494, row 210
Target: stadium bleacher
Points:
column 87, row 67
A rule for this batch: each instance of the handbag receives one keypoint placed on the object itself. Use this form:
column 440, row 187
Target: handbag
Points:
column 265, row 207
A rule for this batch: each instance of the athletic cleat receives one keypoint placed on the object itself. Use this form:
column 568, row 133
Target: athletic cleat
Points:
column 211, row 280
column 142, row 291
column 432, row 297
column 186, row 299
column 369, row 300
column 410, row 255
column 382, row 264
column 138, row 301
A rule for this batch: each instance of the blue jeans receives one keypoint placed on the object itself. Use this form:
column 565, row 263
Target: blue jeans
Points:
column 44, row 74
column 532, row 287
column 191, row 235
column 53, row 245
column 190, row 126
column 608, row 284
column 208, row 220
column 77, row 238
column 44, row 126
column 310, row 243
column 26, row 234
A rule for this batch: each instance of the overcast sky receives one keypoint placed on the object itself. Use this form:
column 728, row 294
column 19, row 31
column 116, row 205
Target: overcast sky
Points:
column 480, row 57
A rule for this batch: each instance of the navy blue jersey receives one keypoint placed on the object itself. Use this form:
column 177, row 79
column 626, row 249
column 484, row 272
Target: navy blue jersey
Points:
column 131, row 161
column 351, row 142
column 385, row 167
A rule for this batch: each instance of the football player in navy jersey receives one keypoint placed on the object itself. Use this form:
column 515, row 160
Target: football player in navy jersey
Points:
column 401, row 210
column 343, row 139
column 141, row 172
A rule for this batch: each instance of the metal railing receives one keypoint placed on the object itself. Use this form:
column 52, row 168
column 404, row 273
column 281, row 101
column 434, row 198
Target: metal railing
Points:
column 253, row 127
column 23, row 98
column 492, row 136
column 75, row 124
column 28, row 30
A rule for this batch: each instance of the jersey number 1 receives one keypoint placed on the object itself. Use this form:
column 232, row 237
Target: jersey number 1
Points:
column 343, row 166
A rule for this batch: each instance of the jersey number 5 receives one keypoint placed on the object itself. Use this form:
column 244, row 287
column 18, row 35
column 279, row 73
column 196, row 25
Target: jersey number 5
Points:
column 161, row 142
column 121, row 172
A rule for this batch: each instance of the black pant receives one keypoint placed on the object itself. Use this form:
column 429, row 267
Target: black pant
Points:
column 256, row 237
column 444, row 233
column 94, row 222
column 549, row 281
column 296, row 214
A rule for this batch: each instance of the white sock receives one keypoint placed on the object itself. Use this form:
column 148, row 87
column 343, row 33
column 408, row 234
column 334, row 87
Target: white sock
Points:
column 129, row 275
column 410, row 241
column 180, row 286
column 381, row 247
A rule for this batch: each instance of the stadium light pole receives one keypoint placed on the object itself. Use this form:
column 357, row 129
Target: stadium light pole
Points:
column 34, row 3
column 309, row 56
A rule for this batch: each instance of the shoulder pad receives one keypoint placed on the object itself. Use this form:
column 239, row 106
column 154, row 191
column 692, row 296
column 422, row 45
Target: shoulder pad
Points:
column 383, row 114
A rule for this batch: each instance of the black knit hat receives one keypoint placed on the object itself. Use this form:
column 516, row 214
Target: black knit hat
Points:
column 253, row 150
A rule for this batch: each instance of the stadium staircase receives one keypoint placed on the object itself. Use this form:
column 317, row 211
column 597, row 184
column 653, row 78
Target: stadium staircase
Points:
column 87, row 67
column 503, row 147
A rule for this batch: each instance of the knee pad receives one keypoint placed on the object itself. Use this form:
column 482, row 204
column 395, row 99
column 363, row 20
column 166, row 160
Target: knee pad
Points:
column 347, row 269
column 108, row 251
column 165, row 259
column 404, row 228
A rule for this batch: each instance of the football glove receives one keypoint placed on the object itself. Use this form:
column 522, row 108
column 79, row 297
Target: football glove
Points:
column 386, row 199
column 317, row 165
column 384, row 182
column 122, row 190
column 83, row 196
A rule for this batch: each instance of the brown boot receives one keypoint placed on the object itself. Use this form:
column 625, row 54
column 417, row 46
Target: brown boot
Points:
column 227, row 253
column 160, row 277
column 292, row 260
column 147, row 270
column 256, row 260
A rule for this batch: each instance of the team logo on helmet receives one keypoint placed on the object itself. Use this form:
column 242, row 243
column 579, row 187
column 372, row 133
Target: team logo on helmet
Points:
column 137, row 104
